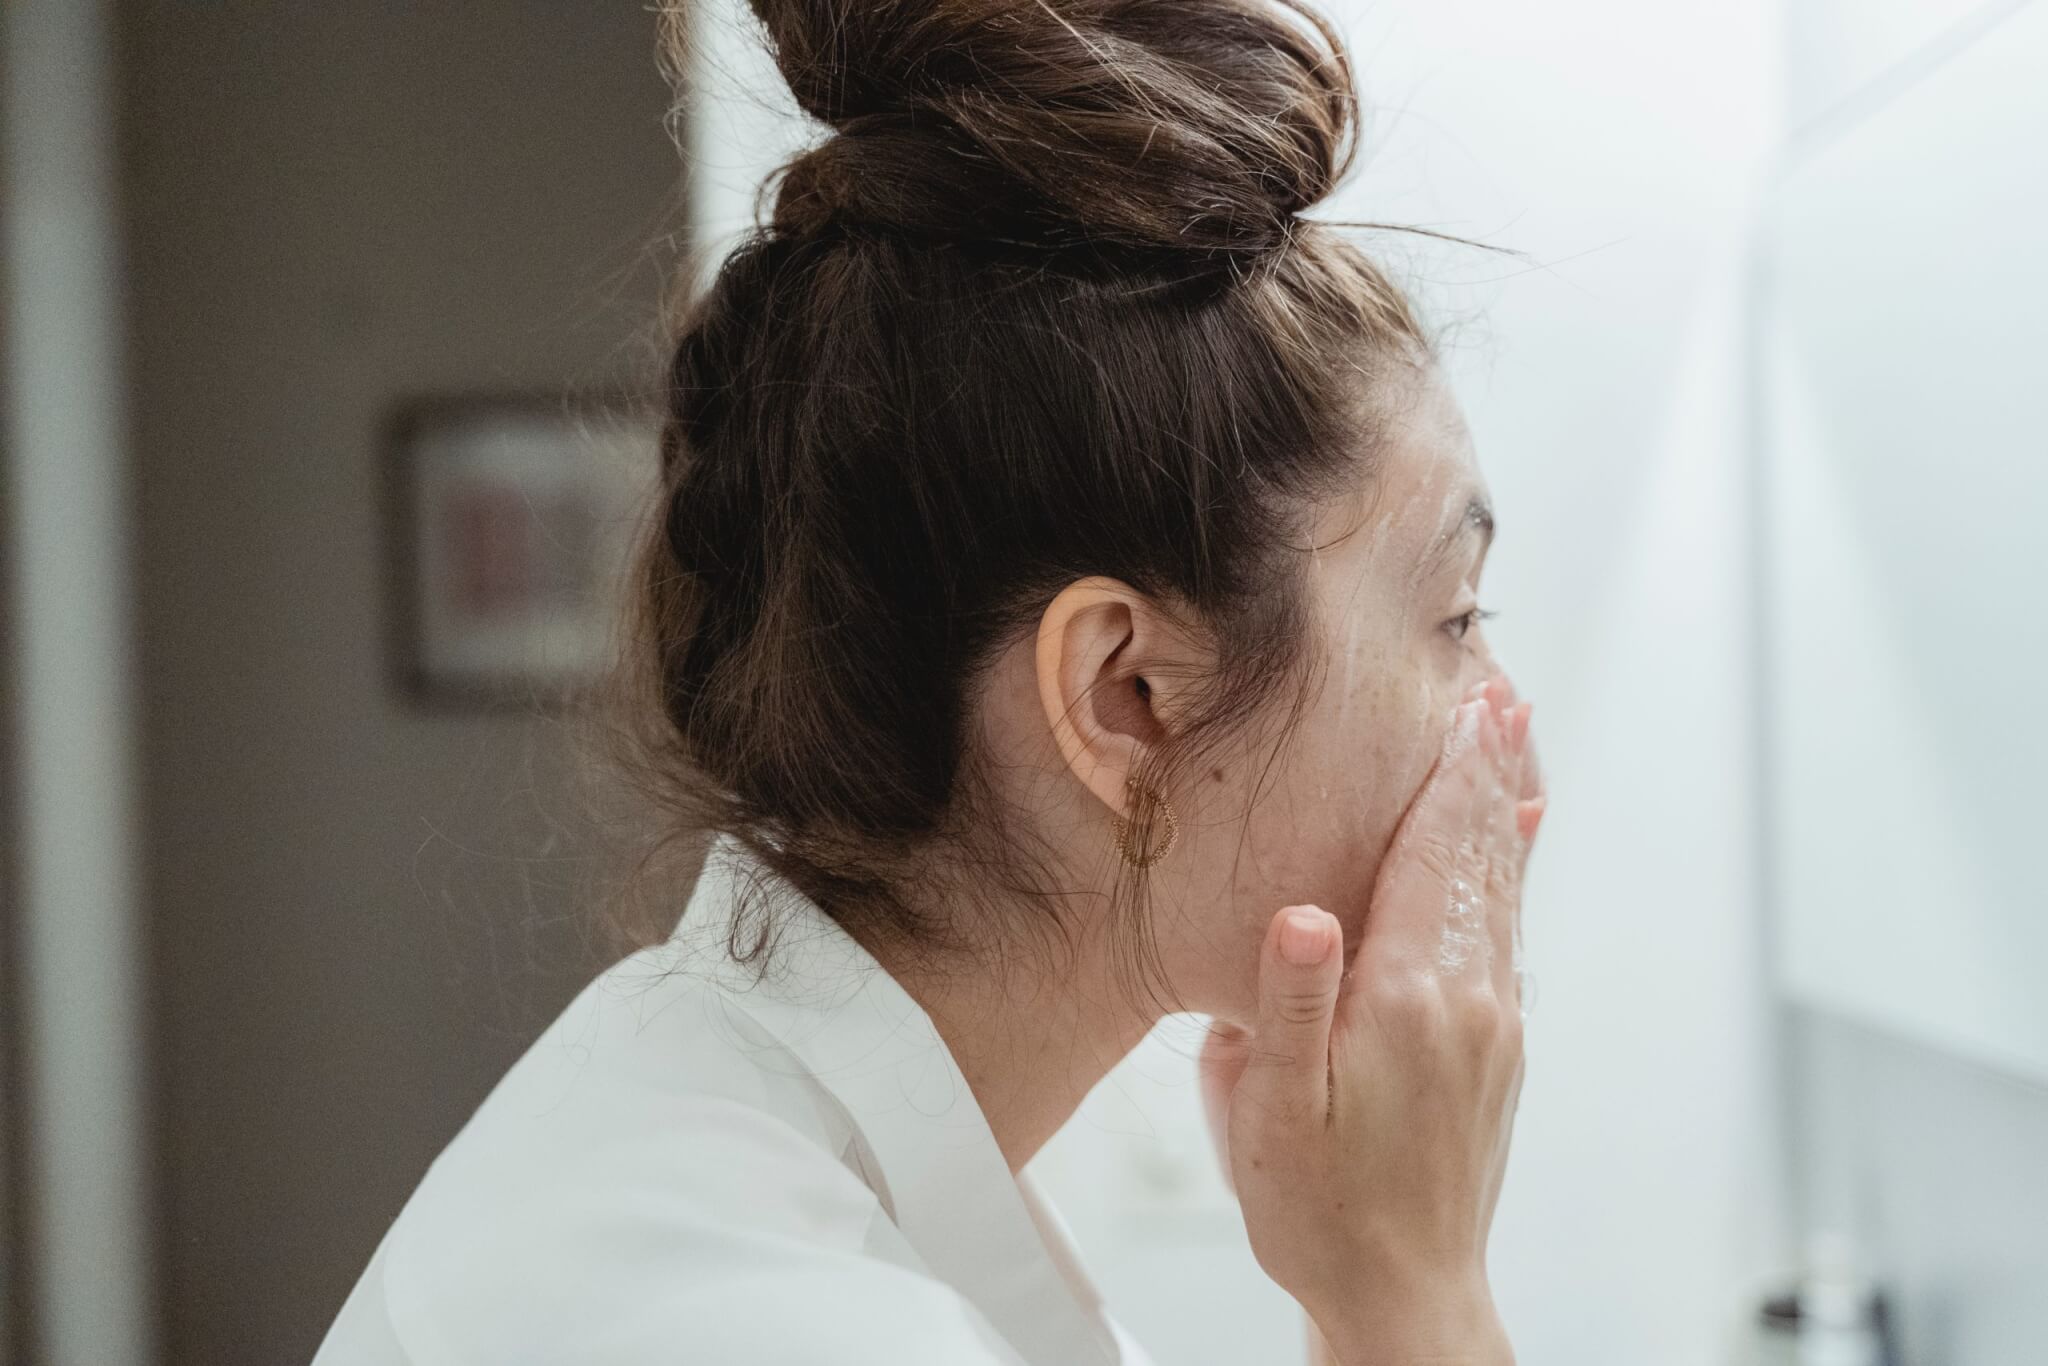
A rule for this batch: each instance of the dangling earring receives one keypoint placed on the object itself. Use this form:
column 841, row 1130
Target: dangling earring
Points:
column 1139, row 858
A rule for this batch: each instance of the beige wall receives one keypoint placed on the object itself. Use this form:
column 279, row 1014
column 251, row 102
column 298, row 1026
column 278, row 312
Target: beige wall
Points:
column 358, row 913
column 81, row 1246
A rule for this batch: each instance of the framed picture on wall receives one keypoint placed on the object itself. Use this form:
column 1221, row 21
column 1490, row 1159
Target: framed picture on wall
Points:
column 510, row 520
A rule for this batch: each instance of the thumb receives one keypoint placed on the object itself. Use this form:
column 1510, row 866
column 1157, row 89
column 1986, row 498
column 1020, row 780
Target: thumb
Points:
column 1299, row 972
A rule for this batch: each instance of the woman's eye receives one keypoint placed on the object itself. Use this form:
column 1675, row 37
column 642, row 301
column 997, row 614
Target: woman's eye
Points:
column 1465, row 621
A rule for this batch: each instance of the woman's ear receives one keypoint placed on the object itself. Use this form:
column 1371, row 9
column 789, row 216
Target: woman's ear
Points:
column 1112, row 668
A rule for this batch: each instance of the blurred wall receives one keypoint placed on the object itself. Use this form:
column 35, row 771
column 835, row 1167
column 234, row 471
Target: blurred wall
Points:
column 79, row 1248
column 1936, row 1164
column 13, row 1292
column 359, row 912
column 1841, row 53
column 1938, row 1168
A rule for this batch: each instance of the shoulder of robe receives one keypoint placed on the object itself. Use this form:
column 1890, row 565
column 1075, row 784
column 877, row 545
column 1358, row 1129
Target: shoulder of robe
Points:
column 818, row 1307
column 651, row 1183
column 723, row 1231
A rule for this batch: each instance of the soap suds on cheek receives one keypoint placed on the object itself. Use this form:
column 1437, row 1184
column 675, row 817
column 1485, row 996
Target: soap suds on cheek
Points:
column 1464, row 935
column 1464, row 930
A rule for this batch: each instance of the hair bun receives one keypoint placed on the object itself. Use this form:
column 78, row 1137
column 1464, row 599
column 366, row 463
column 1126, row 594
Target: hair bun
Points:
column 1171, row 125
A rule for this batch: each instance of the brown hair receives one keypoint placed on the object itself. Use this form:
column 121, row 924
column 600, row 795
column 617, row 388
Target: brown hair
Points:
column 1040, row 306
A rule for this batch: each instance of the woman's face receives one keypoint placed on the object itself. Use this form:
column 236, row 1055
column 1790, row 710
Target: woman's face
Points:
column 1394, row 581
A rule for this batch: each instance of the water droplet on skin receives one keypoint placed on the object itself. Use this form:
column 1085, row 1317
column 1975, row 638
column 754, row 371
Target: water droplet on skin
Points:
column 1464, row 933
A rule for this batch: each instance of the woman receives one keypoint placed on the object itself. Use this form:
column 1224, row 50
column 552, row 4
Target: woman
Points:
column 1062, row 612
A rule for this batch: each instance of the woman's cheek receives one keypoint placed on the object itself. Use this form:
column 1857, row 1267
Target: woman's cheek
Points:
column 1412, row 754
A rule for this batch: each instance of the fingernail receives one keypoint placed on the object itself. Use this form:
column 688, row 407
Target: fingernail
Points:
column 1520, row 728
column 1304, row 938
column 1529, row 815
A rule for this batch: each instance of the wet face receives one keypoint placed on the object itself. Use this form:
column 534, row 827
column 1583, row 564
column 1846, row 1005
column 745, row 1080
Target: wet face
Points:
column 1393, row 576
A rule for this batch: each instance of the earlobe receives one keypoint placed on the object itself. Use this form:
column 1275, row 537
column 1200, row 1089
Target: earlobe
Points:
column 1083, row 652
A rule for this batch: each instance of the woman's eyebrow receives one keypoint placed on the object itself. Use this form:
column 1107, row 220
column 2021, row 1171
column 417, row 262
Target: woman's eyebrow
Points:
column 1476, row 518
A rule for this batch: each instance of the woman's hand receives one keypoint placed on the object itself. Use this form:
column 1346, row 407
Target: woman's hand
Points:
column 1365, row 1122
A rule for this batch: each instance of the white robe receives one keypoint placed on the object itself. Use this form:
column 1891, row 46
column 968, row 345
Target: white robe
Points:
column 690, row 1166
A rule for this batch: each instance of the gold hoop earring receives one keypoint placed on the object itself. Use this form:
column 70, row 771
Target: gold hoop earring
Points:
column 1139, row 858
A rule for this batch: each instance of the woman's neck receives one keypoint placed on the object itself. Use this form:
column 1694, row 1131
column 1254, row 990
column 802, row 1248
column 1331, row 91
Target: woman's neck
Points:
column 1032, row 1035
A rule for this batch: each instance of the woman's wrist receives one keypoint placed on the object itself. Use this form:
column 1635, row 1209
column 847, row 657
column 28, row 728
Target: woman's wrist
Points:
column 1443, row 1324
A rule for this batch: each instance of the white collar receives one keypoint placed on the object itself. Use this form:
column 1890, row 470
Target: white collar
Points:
column 867, row 1042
